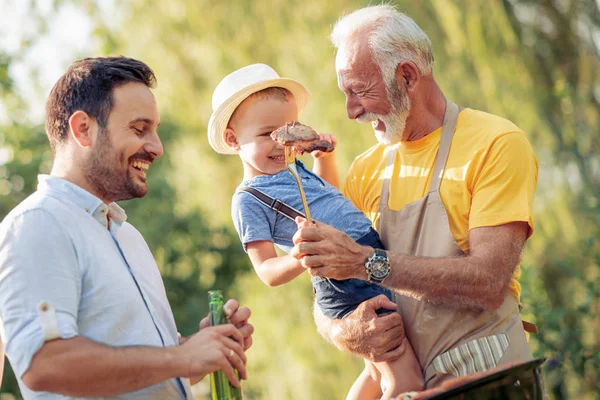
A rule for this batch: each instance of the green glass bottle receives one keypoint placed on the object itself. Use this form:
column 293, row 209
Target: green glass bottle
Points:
column 220, row 387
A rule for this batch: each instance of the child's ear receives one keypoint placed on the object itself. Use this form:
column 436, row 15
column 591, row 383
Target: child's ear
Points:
column 231, row 140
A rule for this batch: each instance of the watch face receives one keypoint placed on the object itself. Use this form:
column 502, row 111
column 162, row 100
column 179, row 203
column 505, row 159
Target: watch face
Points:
column 377, row 266
column 379, row 269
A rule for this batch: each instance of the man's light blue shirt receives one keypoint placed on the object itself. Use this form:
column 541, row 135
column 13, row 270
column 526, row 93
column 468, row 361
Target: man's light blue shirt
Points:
column 67, row 270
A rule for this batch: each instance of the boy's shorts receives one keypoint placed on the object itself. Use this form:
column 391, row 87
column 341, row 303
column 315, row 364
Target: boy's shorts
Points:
column 336, row 299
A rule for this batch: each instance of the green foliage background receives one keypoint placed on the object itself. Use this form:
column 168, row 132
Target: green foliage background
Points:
column 534, row 62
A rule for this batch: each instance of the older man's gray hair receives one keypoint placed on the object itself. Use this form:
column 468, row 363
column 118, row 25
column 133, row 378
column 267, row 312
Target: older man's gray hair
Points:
column 393, row 38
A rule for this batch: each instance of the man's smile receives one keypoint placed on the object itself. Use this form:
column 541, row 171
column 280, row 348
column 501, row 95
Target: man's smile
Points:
column 140, row 167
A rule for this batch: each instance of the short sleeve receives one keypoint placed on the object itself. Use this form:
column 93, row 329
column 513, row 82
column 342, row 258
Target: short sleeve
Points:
column 253, row 221
column 350, row 190
column 505, row 183
column 40, row 285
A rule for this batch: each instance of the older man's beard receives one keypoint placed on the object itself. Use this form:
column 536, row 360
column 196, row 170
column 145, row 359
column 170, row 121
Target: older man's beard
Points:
column 102, row 171
column 394, row 120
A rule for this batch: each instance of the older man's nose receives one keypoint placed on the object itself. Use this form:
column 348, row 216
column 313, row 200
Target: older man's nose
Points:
column 353, row 108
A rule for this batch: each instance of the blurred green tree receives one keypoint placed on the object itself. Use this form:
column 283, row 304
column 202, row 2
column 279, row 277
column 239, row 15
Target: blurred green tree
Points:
column 534, row 62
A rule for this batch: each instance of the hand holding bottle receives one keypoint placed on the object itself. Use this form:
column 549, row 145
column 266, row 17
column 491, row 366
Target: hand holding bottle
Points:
column 219, row 387
column 238, row 317
column 212, row 349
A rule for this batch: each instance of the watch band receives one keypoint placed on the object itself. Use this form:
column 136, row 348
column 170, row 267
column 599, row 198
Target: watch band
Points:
column 381, row 253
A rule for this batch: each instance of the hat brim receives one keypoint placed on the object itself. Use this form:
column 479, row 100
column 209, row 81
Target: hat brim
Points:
column 221, row 116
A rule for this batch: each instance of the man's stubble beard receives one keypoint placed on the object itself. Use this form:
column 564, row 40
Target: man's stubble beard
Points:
column 102, row 171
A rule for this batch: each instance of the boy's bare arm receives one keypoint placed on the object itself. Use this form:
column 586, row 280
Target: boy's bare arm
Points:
column 325, row 163
column 272, row 269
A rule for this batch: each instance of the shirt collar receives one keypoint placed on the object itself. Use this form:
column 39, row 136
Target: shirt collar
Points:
column 83, row 199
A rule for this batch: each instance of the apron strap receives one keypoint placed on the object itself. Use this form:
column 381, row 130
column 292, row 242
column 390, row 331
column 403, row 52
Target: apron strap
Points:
column 385, row 190
column 448, row 126
column 450, row 118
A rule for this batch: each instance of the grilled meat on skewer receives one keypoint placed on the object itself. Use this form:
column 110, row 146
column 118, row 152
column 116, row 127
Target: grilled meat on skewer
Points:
column 294, row 132
column 301, row 137
column 309, row 147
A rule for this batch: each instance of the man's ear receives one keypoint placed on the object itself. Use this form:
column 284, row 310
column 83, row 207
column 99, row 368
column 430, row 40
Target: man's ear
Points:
column 80, row 128
column 231, row 140
column 407, row 75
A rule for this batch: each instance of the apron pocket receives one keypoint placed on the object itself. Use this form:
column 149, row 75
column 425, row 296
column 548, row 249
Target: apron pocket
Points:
column 478, row 355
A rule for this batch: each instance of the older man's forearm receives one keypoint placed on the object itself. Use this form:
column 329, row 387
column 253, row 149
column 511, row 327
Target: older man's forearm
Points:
column 458, row 282
column 478, row 281
column 324, row 324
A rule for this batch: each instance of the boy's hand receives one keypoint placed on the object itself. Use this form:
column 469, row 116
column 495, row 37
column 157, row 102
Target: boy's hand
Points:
column 328, row 137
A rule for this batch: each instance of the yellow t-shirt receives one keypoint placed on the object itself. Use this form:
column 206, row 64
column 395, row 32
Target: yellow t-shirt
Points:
column 489, row 180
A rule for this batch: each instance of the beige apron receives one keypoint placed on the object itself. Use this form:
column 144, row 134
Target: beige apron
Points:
column 448, row 342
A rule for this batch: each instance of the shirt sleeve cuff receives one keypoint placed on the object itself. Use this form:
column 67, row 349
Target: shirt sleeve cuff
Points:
column 495, row 221
column 29, row 338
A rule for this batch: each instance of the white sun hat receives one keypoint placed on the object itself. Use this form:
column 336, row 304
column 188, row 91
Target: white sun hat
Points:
column 235, row 88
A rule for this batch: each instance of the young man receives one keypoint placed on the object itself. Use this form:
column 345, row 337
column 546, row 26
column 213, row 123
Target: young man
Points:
column 83, row 309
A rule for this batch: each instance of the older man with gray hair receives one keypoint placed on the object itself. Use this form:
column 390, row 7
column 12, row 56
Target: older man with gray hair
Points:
column 449, row 189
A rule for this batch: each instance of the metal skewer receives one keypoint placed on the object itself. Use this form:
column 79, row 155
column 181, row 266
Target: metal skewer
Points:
column 290, row 160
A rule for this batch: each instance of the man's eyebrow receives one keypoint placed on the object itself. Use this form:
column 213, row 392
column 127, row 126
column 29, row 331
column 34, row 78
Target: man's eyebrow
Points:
column 142, row 119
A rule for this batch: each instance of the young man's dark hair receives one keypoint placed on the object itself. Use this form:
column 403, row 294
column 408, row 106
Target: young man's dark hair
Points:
column 88, row 85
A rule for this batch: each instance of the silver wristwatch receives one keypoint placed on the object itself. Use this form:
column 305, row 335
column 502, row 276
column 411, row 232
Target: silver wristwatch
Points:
column 378, row 267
